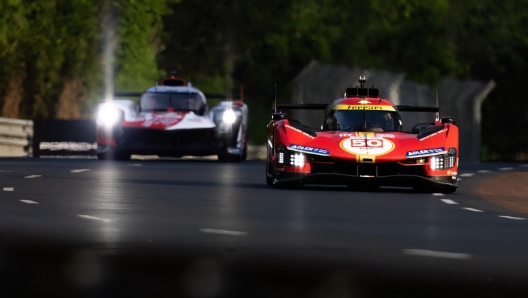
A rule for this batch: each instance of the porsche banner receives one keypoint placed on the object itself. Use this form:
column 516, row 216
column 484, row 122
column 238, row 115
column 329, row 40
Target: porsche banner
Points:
column 64, row 138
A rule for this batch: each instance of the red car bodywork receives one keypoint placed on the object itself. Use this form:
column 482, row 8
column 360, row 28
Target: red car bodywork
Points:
column 425, row 159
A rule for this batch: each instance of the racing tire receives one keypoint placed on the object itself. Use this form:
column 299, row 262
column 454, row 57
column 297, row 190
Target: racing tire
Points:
column 244, row 154
column 269, row 180
column 269, row 169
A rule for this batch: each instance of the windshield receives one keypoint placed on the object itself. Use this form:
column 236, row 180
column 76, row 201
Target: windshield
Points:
column 362, row 120
column 177, row 101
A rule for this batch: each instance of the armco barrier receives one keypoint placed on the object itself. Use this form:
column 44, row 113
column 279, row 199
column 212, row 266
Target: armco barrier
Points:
column 73, row 138
column 64, row 137
column 15, row 137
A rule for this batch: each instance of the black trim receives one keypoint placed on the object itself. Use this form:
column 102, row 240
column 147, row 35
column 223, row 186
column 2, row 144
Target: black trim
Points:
column 429, row 131
column 344, row 179
column 207, row 95
column 304, row 128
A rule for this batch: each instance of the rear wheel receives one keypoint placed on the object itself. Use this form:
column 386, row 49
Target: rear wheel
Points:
column 269, row 169
column 244, row 154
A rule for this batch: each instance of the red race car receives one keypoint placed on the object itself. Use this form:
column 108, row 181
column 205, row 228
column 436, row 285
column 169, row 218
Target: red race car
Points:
column 361, row 144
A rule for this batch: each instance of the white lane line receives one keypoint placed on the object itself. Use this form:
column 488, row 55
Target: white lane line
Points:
column 28, row 202
column 79, row 170
column 484, row 171
column 472, row 209
column 448, row 201
column 437, row 194
column 93, row 218
column 436, row 254
column 466, row 175
column 33, row 176
column 224, row 232
column 9, row 189
column 524, row 166
column 459, row 179
column 512, row 217
column 506, row 169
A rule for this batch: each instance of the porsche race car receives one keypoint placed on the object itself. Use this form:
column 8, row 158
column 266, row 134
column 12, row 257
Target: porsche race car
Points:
column 361, row 144
column 172, row 119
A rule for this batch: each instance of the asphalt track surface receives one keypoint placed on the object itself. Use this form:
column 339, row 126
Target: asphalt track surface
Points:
column 200, row 228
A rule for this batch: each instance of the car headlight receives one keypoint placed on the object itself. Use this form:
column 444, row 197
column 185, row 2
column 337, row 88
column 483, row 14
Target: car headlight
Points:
column 229, row 116
column 444, row 162
column 437, row 162
column 108, row 115
column 297, row 160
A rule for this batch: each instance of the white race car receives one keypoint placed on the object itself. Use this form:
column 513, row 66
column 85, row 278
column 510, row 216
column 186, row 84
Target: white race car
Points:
column 171, row 120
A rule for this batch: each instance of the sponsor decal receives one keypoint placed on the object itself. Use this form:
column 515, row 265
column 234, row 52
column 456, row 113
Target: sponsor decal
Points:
column 434, row 134
column 355, row 135
column 165, row 120
column 299, row 131
column 364, row 102
column 307, row 149
column 364, row 107
column 69, row 146
column 370, row 146
column 424, row 152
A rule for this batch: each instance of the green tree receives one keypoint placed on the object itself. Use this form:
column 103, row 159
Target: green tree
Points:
column 492, row 44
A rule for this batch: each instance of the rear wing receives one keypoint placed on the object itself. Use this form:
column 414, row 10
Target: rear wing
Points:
column 322, row 106
column 351, row 92
column 207, row 95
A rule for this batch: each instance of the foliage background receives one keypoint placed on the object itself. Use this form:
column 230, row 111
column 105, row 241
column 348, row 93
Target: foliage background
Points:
column 53, row 53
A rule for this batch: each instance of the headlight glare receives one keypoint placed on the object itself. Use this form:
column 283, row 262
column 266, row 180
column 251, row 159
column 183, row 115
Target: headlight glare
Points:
column 229, row 116
column 297, row 160
column 108, row 115
column 437, row 162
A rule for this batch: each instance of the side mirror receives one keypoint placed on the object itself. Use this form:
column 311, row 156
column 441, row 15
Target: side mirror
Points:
column 279, row 116
column 448, row 119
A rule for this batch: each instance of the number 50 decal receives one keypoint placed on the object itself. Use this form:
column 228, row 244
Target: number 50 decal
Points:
column 374, row 143
column 367, row 146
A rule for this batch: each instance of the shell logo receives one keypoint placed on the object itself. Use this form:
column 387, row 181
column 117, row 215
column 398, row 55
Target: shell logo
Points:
column 367, row 146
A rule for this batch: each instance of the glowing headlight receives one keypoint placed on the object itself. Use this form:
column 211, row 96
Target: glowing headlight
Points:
column 229, row 117
column 297, row 160
column 281, row 157
column 437, row 162
column 108, row 115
